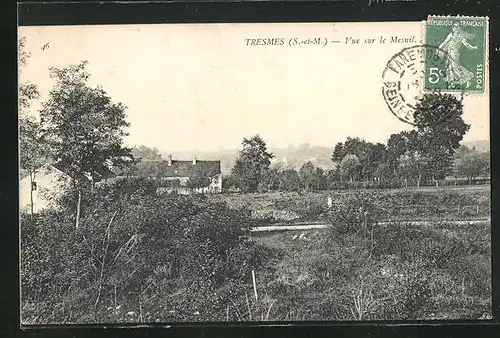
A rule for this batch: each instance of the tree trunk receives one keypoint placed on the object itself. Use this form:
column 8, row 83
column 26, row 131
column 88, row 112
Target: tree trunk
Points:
column 435, row 181
column 32, row 179
column 418, row 180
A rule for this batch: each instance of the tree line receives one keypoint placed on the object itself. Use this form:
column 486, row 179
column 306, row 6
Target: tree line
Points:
column 427, row 154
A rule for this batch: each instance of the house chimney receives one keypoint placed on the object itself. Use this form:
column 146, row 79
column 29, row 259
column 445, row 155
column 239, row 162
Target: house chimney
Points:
column 169, row 160
column 194, row 161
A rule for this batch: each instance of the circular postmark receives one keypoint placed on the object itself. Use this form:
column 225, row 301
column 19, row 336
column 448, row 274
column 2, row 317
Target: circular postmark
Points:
column 404, row 79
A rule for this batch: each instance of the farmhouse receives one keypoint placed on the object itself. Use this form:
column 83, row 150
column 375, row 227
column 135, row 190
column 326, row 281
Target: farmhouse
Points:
column 191, row 176
column 48, row 183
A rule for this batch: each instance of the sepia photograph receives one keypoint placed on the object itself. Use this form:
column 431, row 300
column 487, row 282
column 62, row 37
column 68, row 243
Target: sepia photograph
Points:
column 255, row 172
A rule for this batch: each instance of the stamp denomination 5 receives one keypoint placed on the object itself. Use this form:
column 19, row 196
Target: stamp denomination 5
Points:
column 462, row 44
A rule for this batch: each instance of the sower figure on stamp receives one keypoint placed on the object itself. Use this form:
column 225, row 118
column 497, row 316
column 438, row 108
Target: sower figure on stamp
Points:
column 456, row 74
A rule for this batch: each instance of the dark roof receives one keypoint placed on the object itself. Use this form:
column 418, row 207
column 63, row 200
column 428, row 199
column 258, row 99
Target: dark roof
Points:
column 105, row 172
column 187, row 168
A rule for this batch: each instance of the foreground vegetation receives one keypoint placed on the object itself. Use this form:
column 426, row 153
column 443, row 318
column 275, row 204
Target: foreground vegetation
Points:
column 403, row 272
column 138, row 257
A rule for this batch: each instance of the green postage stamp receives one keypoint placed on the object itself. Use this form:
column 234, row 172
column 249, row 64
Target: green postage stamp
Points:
column 461, row 43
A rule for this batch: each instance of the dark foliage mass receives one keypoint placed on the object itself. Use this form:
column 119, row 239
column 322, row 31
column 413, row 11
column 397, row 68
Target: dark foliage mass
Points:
column 155, row 257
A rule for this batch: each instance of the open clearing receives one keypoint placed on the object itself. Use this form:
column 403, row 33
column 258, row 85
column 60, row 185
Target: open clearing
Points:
column 444, row 270
column 413, row 204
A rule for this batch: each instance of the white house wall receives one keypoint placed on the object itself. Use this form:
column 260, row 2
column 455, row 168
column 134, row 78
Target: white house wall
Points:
column 215, row 186
column 51, row 183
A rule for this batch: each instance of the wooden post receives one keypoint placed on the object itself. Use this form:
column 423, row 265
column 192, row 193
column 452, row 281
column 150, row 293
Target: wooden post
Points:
column 141, row 319
column 78, row 209
column 115, row 303
column 254, row 285
column 329, row 202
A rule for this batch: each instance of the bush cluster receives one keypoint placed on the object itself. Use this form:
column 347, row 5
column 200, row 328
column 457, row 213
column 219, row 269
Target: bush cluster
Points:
column 132, row 249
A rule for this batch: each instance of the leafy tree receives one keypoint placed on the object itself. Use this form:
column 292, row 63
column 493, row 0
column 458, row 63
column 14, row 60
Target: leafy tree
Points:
column 84, row 127
column 338, row 153
column 289, row 180
column 252, row 163
column 383, row 172
column 414, row 162
column 440, row 165
column 27, row 90
column 440, row 128
column 487, row 168
column 349, row 166
column 319, row 179
column 270, row 180
column 353, row 145
column 369, row 155
column 307, row 175
column 332, row 176
column 470, row 163
column 396, row 147
column 146, row 162
column 143, row 152
column 414, row 166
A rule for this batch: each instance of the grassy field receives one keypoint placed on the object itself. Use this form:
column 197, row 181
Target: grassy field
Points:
column 447, row 203
column 422, row 272
column 433, row 271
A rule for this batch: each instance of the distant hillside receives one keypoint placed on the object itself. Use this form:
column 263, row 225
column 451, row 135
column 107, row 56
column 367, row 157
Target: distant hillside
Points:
column 481, row 145
column 290, row 157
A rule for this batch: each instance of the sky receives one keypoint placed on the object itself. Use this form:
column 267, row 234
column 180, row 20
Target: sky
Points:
column 199, row 86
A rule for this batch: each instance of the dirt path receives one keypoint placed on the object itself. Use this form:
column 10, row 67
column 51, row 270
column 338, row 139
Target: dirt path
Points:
column 315, row 225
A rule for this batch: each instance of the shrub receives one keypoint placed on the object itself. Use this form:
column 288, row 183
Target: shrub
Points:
column 128, row 241
column 353, row 213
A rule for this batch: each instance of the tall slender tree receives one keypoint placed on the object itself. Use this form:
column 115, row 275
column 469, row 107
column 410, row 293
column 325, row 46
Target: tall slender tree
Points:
column 349, row 166
column 252, row 163
column 84, row 127
column 440, row 128
column 307, row 175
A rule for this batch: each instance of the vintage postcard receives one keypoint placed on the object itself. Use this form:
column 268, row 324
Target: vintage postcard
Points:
column 270, row 172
